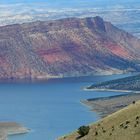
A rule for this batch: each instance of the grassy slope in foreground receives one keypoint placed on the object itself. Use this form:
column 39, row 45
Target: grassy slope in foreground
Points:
column 121, row 125
column 129, row 83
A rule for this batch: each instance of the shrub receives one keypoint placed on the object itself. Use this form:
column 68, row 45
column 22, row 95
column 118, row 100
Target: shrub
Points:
column 134, row 102
column 96, row 133
column 83, row 130
column 137, row 117
column 98, row 124
column 110, row 134
column 135, row 125
column 121, row 125
column 113, row 128
column 127, row 122
column 125, row 127
column 137, row 122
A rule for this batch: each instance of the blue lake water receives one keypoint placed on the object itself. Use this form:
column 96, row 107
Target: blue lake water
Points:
column 49, row 108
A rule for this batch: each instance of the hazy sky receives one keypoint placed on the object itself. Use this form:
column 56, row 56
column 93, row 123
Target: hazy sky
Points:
column 17, row 1
column 123, row 13
column 120, row 12
column 70, row 1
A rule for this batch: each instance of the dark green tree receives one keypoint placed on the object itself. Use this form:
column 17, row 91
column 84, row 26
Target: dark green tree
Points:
column 83, row 130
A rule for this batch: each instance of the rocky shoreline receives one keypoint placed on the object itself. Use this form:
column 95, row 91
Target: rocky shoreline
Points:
column 108, row 105
column 11, row 128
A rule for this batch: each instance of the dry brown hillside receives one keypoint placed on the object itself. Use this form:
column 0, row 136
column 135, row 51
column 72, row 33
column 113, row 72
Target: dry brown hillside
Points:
column 122, row 125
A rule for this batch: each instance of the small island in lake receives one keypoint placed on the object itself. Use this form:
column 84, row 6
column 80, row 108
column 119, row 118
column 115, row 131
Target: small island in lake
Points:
column 11, row 128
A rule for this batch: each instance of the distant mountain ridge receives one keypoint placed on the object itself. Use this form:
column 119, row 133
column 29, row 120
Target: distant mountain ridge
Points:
column 66, row 47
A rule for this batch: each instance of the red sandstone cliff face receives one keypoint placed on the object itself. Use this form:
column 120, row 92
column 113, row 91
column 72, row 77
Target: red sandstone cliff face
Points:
column 66, row 47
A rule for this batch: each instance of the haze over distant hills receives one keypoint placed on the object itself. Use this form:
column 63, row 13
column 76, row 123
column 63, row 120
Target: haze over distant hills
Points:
column 66, row 47
column 124, row 14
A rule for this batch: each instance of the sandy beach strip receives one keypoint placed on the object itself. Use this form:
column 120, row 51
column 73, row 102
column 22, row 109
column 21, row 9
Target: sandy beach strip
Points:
column 110, row 90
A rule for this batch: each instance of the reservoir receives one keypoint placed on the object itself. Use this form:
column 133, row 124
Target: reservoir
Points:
column 50, row 108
